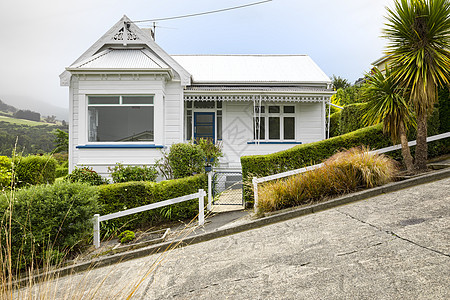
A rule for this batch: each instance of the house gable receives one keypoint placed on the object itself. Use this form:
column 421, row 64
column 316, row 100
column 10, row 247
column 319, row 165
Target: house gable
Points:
column 125, row 35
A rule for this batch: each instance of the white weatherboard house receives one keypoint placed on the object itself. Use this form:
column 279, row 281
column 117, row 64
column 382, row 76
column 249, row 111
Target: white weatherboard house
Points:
column 129, row 100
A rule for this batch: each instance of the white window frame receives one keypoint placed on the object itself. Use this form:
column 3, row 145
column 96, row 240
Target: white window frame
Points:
column 120, row 104
column 280, row 115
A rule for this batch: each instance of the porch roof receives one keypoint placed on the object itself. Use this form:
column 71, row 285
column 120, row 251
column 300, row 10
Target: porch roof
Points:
column 225, row 69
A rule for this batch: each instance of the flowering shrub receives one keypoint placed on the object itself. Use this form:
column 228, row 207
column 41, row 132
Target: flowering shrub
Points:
column 86, row 175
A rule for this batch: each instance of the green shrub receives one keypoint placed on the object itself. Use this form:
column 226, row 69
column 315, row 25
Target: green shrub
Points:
column 335, row 118
column 5, row 171
column 34, row 169
column 121, row 173
column 48, row 219
column 120, row 196
column 351, row 118
column 342, row 173
column 211, row 151
column 61, row 171
column 126, row 236
column 183, row 159
column 85, row 175
column 444, row 110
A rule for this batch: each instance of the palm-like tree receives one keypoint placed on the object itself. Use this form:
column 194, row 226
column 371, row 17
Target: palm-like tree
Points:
column 419, row 43
column 385, row 103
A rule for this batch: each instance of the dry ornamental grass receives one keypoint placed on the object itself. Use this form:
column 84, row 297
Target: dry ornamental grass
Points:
column 342, row 173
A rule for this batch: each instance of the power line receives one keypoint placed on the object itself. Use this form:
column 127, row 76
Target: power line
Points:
column 203, row 13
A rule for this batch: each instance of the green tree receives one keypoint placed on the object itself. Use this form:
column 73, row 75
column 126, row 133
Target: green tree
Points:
column 419, row 41
column 339, row 82
column 61, row 141
column 385, row 103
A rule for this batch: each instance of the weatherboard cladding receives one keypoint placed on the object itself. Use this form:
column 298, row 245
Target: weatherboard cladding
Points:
column 252, row 68
column 122, row 59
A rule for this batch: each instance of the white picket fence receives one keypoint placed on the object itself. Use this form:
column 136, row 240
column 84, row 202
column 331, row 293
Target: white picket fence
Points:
column 201, row 208
column 256, row 180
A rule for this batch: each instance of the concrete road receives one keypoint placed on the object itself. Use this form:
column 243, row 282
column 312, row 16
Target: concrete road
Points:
column 393, row 246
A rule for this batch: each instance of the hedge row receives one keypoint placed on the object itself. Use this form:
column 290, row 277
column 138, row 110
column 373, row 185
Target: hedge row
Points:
column 120, row 196
column 47, row 221
column 352, row 118
column 28, row 170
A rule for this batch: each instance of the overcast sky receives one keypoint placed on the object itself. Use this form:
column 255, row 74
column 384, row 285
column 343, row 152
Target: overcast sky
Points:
column 38, row 39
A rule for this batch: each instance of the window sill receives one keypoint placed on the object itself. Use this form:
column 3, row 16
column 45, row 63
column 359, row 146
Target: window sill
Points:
column 119, row 146
column 273, row 143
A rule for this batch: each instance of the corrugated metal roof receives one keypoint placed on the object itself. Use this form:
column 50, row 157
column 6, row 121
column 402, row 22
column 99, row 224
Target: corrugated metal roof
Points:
column 122, row 59
column 252, row 68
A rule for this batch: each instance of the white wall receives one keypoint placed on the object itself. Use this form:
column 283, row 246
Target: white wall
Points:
column 167, row 115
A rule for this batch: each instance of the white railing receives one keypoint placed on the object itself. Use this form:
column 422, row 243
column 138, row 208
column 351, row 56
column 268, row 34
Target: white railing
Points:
column 201, row 215
column 256, row 180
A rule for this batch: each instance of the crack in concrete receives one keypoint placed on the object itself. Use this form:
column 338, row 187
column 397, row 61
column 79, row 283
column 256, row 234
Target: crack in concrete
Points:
column 393, row 234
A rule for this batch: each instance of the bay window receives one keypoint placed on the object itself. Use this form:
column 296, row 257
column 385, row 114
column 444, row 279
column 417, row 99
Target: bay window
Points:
column 121, row 118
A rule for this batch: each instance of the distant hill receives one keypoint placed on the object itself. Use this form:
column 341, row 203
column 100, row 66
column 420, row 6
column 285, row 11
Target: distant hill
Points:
column 31, row 137
column 45, row 109
column 7, row 108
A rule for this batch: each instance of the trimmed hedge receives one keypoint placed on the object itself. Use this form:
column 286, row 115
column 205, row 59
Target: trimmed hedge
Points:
column 444, row 110
column 120, row 196
column 5, row 171
column 335, row 119
column 351, row 118
column 35, row 169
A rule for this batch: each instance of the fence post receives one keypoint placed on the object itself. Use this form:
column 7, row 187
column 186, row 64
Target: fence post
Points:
column 209, row 207
column 255, row 194
column 201, row 207
column 96, row 230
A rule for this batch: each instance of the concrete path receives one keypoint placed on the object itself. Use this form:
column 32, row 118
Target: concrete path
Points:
column 393, row 246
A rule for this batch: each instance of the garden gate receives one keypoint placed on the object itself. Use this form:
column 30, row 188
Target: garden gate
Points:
column 227, row 188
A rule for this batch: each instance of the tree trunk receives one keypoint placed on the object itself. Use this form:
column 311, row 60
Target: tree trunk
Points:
column 422, row 147
column 406, row 153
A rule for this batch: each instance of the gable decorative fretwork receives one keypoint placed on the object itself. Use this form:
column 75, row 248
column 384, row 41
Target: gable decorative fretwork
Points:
column 255, row 97
column 125, row 34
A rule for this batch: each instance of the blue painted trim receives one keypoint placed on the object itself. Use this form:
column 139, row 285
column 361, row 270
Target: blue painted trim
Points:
column 274, row 143
column 112, row 146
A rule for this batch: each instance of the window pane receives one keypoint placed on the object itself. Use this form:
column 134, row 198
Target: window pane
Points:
column 289, row 109
column 219, row 112
column 189, row 127
column 137, row 99
column 260, row 133
column 189, row 104
column 289, row 128
column 219, row 104
column 104, row 100
column 201, row 118
column 204, row 104
column 219, row 126
column 274, row 128
column 274, row 109
column 121, row 124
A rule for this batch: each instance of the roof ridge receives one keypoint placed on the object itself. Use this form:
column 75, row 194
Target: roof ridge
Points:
column 239, row 54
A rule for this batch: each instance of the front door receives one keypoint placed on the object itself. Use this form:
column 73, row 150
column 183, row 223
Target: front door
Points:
column 204, row 125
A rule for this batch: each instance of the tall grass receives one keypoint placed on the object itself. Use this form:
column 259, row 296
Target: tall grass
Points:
column 342, row 173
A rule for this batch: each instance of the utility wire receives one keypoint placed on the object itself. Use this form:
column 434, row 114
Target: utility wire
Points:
column 203, row 13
